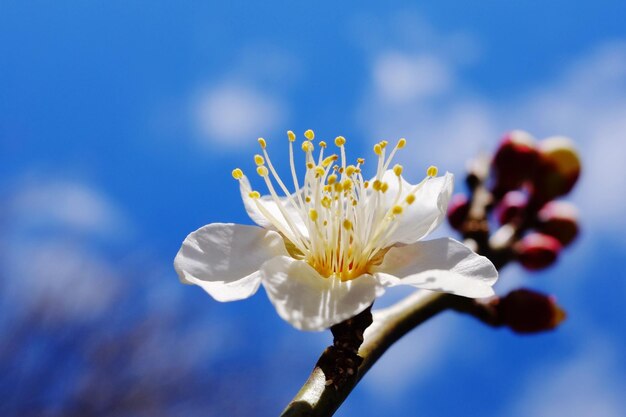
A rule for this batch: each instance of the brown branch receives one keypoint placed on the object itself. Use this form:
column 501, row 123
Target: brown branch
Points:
column 319, row 397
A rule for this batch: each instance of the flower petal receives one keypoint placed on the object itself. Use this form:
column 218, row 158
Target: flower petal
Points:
column 427, row 211
column 439, row 265
column 271, row 206
column 311, row 302
column 225, row 258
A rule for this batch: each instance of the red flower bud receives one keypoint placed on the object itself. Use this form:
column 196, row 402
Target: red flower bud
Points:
column 559, row 219
column 458, row 209
column 514, row 161
column 537, row 251
column 558, row 170
column 526, row 311
column 512, row 207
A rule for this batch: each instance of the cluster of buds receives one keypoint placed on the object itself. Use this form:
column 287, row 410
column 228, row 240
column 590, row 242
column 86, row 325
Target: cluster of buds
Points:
column 524, row 180
column 517, row 190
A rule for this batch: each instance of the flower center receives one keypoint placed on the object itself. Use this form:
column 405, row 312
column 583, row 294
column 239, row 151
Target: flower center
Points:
column 335, row 220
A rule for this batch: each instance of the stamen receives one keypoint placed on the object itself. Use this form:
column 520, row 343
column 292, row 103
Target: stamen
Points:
column 346, row 224
column 431, row 171
column 397, row 169
column 340, row 141
column 237, row 174
column 262, row 171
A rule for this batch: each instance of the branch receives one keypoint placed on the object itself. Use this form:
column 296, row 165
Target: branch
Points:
column 318, row 397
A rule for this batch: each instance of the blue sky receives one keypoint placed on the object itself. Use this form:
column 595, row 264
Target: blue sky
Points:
column 120, row 124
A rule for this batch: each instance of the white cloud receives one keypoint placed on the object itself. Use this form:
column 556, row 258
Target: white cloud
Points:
column 232, row 114
column 69, row 281
column 400, row 78
column 248, row 100
column 48, row 254
column 66, row 204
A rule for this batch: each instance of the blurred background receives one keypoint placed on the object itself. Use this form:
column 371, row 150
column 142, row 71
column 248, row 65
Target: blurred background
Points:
column 120, row 123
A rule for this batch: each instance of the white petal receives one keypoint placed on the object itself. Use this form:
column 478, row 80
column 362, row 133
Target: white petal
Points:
column 311, row 302
column 271, row 206
column 439, row 265
column 225, row 258
column 427, row 211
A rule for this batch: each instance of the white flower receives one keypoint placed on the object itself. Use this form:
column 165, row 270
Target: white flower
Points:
column 326, row 251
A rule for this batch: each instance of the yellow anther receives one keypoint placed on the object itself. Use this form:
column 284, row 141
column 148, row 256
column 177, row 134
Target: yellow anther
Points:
column 347, row 224
column 377, row 185
column 360, row 161
column 262, row 142
column 254, row 194
column 384, row 187
column 338, row 187
column 291, row 136
column 366, row 184
column 350, row 170
column 397, row 210
column 258, row 159
column 383, row 144
column 329, row 160
column 307, row 199
column 397, row 169
column 309, row 134
column 378, row 149
column 322, row 144
column 327, row 188
column 410, row 199
column 310, row 165
column 307, row 146
column 319, row 171
column 313, row 215
column 432, row 171
column 347, row 184
column 332, row 178
column 262, row 171
column 237, row 174
column 401, row 143
column 340, row 141
column 340, row 170
column 325, row 202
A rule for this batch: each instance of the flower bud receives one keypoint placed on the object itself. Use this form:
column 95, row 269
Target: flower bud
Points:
column 537, row 251
column 559, row 168
column 559, row 219
column 512, row 207
column 458, row 209
column 514, row 161
column 526, row 311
